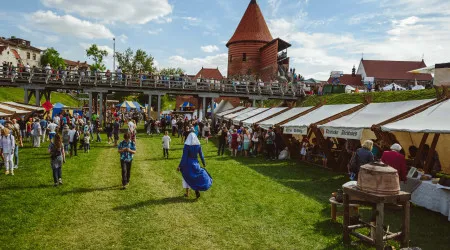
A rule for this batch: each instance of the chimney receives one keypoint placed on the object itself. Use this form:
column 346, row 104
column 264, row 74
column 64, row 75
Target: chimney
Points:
column 354, row 71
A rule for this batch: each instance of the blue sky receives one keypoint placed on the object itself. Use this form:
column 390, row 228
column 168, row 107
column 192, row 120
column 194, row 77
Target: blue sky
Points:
column 325, row 35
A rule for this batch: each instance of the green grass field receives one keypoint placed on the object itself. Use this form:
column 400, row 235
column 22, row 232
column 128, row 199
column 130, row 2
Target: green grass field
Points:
column 253, row 204
column 17, row 95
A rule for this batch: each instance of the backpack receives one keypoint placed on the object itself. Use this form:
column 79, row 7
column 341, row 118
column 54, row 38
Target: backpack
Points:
column 66, row 138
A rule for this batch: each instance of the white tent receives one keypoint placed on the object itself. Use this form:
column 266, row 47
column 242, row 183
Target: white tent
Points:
column 434, row 120
column 389, row 87
column 282, row 117
column 357, row 125
column 349, row 89
column 13, row 110
column 222, row 107
column 300, row 125
column 247, row 115
column 418, row 87
column 20, row 105
column 5, row 114
column 222, row 114
column 231, row 116
column 257, row 118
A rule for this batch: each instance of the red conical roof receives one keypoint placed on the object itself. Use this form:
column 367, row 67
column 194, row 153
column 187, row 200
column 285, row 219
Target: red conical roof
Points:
column 252, row 27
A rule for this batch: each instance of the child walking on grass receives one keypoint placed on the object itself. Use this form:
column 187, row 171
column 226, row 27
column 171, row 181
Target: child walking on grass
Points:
column 86, row 142
column 166, row 144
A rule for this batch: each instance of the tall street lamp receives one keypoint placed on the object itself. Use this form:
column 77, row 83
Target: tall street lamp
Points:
column 114, row 54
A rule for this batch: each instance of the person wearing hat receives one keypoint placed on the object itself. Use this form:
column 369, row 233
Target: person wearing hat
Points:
column 396, row 160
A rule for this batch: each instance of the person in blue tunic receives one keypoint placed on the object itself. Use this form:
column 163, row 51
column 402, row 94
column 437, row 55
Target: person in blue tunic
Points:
column 194, row 176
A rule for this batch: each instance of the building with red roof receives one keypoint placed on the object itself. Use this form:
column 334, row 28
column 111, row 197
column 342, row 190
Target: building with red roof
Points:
column 19, row 51
column 252, row 49
column 385, row 72
column 206, row 73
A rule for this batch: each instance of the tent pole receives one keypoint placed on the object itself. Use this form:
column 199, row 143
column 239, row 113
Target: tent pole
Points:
column 418, row 158
column 428, row 167
column 100, row 108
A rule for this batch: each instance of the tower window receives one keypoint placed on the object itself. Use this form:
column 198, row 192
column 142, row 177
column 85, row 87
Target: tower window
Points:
column 244, row 57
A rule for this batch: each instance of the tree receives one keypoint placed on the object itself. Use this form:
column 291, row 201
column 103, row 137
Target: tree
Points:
column 52, row 57
column 171, row 71
column 97, row 55
column 135, row 62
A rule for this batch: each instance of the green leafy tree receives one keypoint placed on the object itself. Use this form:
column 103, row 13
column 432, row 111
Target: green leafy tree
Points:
column 97, row 56
column 171, row 71
column 52, row 57
column 137, row 62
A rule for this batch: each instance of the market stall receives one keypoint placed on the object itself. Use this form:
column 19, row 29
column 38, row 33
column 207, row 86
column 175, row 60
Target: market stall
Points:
column 23, row 106
column 5, row 114
column 58, row 109
column 230, row 111
column 222, row 107
column 284, row 117
column 231, row 116
column 13, row 111
column 138, row 106
column 126, row 105
column 238, row 119
column 393, row 86
column 264, row 116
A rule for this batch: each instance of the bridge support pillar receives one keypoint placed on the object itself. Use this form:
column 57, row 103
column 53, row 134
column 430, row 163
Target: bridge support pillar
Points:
column 262, row 103
column 149, row 108
column 101, row 109
column 254, row 102
column 204, row 108
column 90, row 105
column 159, row 107
column 37, row 97
column 213, row 126
column 26, row 100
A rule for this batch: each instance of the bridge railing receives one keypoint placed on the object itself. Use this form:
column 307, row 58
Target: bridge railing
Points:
column 141, row 81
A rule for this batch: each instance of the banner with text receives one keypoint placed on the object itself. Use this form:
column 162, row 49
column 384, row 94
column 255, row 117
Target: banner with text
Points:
column 345, row 133
column 296, row 130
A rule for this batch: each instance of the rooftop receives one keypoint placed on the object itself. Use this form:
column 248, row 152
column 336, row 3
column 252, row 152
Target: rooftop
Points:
column 252, row 27
column 395, row 70
column 206, row 73
column 348, row 79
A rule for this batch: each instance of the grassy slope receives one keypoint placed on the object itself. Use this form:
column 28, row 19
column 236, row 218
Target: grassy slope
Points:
column 389, row 96
column 17, row 95
column 253, row 204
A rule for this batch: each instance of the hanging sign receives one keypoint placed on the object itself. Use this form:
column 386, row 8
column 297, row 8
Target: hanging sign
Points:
column 345, row 133
column 296, row 130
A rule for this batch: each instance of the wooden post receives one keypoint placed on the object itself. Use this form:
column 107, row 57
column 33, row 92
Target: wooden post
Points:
column 37, row 97
column 428, row 167
column 90, row 105
column 418, row 158
column 101, row 109
column 346, row 219
column 26, row 99
column 406, row 226
column 159, row 107
column 333, row 212
column 379, row 226
column 149, row 108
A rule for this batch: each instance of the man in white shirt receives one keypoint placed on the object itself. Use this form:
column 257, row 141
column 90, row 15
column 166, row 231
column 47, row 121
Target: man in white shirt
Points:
column 52, row 130
column 56, row 120
column 174, row 126
column 72, row 142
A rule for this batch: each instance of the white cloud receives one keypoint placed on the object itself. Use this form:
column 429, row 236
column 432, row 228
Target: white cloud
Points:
column 155, row 31
column 210, row 48
column 192, row 66
column 49, row 21
column 130, row 11
column 274, row 5
column 123, row 38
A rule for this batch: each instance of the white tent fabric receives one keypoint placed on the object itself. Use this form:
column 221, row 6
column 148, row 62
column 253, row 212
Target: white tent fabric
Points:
column 418, row 87
column 349, row 89
column 223, row 106
column 282, row 117
column 300, row 125
column 426, row 70
column 389, row 87
column 231, row 116
column 13, row 110
column 247, row 115
column 4, row 114
column 352, row 126
column 20, row 105
column 255, row 119
column 222, row 114
column 435, row 119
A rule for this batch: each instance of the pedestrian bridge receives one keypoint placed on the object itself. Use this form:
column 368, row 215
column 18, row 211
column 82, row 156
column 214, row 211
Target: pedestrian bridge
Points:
column 103, row 82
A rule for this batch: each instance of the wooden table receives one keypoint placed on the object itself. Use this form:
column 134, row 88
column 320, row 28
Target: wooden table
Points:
column 334, row 204
column 352, row 195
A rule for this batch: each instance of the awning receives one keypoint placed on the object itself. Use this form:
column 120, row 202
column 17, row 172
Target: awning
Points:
column 352, row 126
column 435, row 119
column 300, row 125
column 222, row 114
column 426, row 70
column 5, row 114
column 247, row 115
column 257, row 118
column 282, row 117
column 13, row 110
column 233, row 115
column 20, row 105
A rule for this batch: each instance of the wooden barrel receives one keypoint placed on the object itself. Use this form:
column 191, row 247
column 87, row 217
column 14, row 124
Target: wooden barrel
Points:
column 378, row 178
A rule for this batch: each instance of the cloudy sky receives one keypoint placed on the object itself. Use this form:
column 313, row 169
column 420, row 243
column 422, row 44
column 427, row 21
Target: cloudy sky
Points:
column 325, row 35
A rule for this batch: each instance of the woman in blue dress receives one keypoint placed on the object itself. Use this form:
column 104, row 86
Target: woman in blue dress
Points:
column 194, row 176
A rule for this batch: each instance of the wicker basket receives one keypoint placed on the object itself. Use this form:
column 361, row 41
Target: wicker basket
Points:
column 378, row 178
